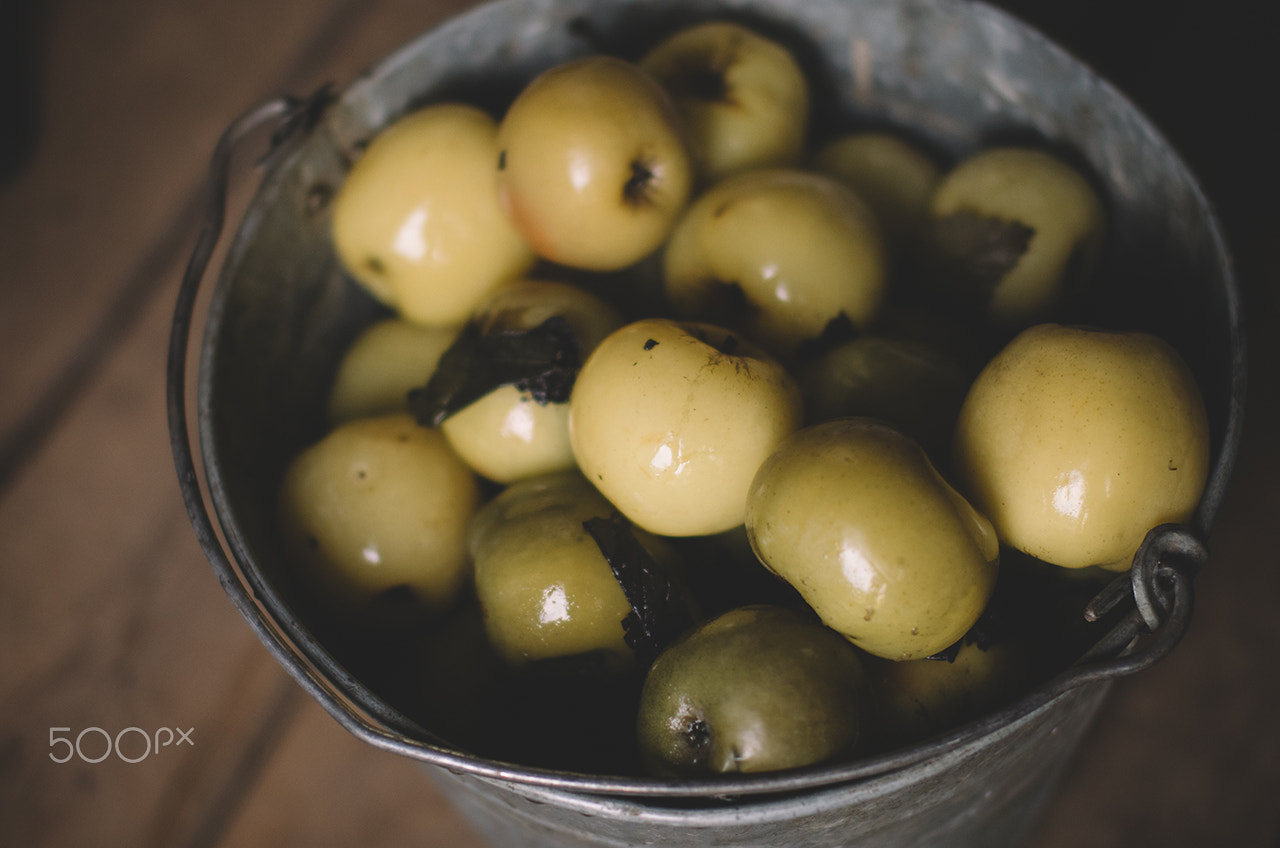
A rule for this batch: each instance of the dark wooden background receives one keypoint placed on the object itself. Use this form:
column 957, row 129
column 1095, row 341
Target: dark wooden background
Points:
column 110, row 615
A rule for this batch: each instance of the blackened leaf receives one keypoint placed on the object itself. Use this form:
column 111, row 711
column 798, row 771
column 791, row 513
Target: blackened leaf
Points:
column 947, row 654
column 543, row 361
column 974, row 252
column 726, row 304
column 660, row 611
column 991, row 629
column 838, row 331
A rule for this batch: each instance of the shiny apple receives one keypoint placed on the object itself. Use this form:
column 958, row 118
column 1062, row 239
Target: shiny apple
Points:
column 509, row 434
column 544, row 587
column 379, row 505
column 671, row 419
column 1076, row 441
column 592, row 166
column 742, row 96
column 756, row 689
column 777, row 254
column 417, row 223
column 856, row 518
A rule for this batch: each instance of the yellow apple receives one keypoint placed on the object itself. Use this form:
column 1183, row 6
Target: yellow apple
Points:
column 1014, row 229
column 377, row 505
column 742, row 96
column 670, row 421
column 896, row 178
column 382, row 365
column 417, row 222
column 1077, row 441
column 777, row 254
column 592, row 164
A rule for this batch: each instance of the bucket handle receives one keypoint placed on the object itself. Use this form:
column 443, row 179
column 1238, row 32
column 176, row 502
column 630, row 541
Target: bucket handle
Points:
column 1152, row 601
column 290, row 118
column 1159, row 585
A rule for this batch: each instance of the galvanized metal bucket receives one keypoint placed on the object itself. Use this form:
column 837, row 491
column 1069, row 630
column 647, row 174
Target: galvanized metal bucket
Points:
column 955, row 74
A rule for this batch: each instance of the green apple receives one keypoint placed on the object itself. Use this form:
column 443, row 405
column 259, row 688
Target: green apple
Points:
column 545, row 587
column 1077, row 441
column 1013, row 230
column 755, row 689
column 507, row 434
column 379, row 505
column 742, row 97
column 458, row 684
column 915, row 699
column 382, row 365
column 853, row 515
column 777, row 254
column 671, row 419
column 896, row 178
column 592, row 164
column 417, row 222
column 906, row 383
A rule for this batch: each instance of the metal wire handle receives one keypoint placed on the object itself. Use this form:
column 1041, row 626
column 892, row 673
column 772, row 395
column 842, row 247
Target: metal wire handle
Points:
column 292, row 116
column 1156, row 592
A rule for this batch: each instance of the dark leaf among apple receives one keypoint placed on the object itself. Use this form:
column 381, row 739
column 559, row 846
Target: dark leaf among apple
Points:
column 542, row 361
column 974, row 252
column 660, row 611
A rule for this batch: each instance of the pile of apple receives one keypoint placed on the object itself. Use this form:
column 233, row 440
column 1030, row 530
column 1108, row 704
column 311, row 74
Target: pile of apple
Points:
column 642, row 325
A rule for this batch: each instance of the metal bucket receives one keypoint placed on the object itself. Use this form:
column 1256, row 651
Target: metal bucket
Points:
column 957, row 75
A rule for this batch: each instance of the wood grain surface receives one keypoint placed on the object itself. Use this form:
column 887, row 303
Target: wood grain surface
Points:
column 111, row 617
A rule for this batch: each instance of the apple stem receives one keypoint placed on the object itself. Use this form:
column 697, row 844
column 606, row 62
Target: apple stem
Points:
column 635, row 190
column 706, row 84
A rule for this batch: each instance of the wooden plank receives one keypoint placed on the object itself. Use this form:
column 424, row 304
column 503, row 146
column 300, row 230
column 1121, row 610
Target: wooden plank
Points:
column 1187, row 753
column 326, row 788
column 109, row 614
column 111, row 618
column 134, row 95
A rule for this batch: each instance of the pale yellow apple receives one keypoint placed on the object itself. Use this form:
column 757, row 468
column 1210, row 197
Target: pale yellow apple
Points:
column 1057, row 210
column 592, row 165
column 742, row 96
column 508, row 435
column 895, row 177
column 417, row 222
column 382, row 365
column 670, row 421
column 777, row 254
column 855, row 517
column 379, row 504
column 1077, row 441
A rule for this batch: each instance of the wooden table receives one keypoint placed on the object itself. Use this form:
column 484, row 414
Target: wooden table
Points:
column 110, row 616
